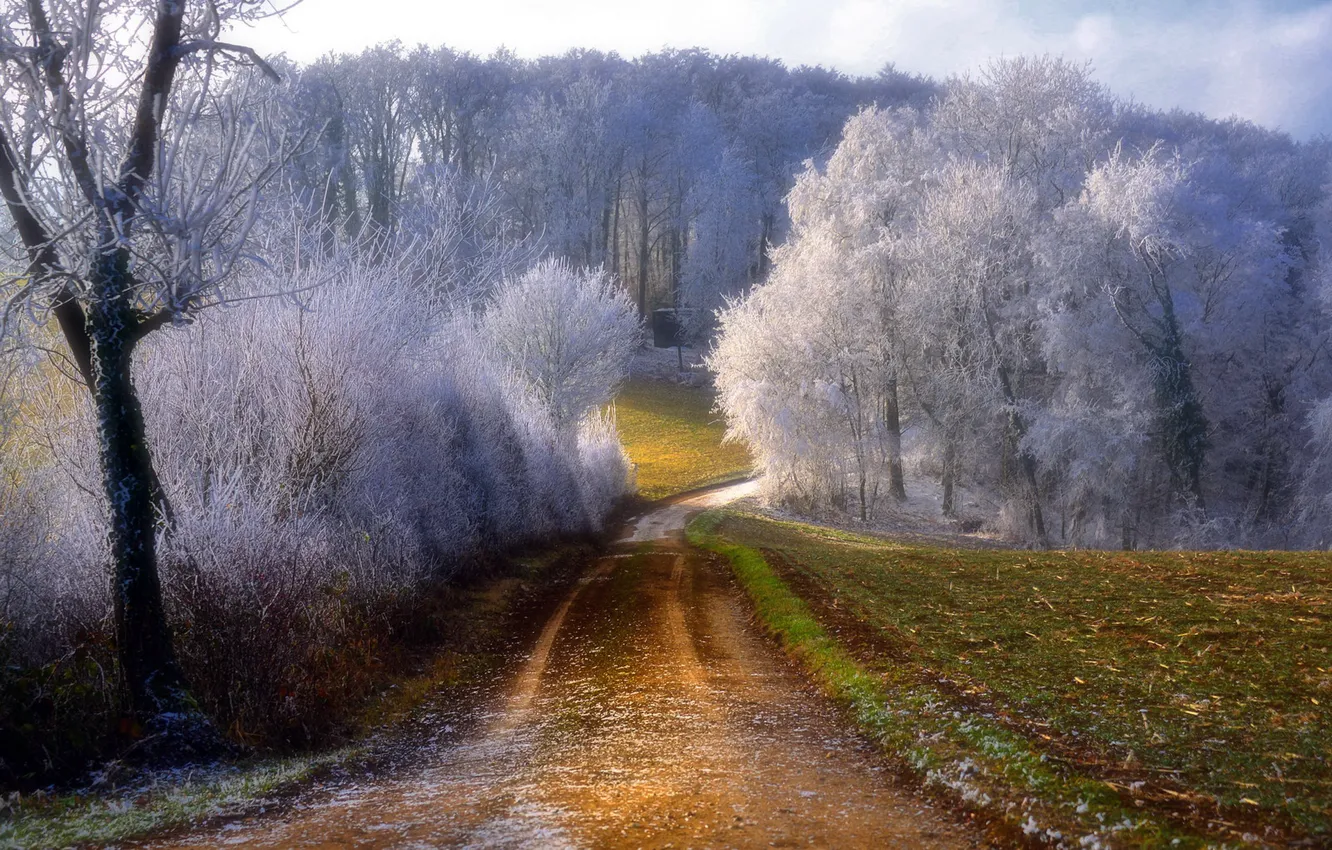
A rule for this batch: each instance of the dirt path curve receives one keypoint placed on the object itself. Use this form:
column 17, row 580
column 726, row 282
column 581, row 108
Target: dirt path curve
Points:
column 649, row 713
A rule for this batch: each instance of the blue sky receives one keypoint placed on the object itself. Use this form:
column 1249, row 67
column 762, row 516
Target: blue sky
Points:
column 1268, row 61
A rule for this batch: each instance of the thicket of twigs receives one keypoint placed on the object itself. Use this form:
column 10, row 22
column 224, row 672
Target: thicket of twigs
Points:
column 324, row 462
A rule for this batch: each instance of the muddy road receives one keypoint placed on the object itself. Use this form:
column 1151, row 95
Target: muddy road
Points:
column 649, row 713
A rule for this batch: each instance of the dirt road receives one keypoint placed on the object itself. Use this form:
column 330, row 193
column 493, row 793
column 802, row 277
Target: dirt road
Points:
column 649, row 713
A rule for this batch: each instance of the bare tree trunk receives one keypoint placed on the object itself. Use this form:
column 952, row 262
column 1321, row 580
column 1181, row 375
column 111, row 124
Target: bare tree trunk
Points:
column 1185, row 425
column 1017, row 430
column 864, row 506
column 893, row 426
column 101, row 343
column 644, row 247
column 351, row 210
column 615, row 229
column 949, row 477
column 676, row 249
column 764, row 261
column 152, row 676
column 605, row 231
column 102, row 327
column 1183, row 422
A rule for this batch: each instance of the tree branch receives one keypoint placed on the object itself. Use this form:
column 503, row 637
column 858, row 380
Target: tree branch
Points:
column 150, row 323
column 209, row 45
column 50, row 57
column 44, row 262
column 140, row 156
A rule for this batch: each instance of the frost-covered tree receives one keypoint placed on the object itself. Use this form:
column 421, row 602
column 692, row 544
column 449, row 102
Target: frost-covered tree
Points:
column 124, row 167
column 568, row 333
column 790, row 368
column 600, row 159
column 969, row 273
column 808, row 365
column 380, row 133
column 868, row 198
column 1184, row 284
column 460, row 237
column 1043, row 120
column 1315, row 485
column 721, row 259
column 325, row 463
column 560, row 165
column 1112, row 344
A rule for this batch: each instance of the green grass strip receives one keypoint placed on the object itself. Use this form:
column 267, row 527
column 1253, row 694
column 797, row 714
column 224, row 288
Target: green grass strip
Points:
column 170, row 801
column 966, row 756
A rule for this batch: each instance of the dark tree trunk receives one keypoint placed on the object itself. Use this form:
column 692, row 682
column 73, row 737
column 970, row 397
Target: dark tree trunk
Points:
column 892, row 421
column 615, row 231
column 1018, row 430
column 676, row 250
column 1184, row 424
column 864, row 506
column 1015, row 432
column 351, row 210
column 102, row 340
column 644, row 249
column 152, row 677
column 330, row 200
column 764, row 261
column 949, row 477
column 605, row 232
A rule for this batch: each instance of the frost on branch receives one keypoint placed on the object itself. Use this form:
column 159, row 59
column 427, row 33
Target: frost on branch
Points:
column 566, row 333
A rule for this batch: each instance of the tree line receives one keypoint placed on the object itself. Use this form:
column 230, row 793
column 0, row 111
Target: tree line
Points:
column 1063, row 316
column 668, row 170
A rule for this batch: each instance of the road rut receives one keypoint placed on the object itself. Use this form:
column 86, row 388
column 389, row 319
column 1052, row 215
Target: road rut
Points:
column 649, row 713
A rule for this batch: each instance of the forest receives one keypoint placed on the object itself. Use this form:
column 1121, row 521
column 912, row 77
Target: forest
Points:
column 1059, row 314
column 1055, row 315
column 281, row 342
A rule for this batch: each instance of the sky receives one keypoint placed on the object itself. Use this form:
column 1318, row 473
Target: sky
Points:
column 1269, row 61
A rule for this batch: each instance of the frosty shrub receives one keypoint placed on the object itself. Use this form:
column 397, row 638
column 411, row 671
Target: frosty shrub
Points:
column 567, row 333
column 322, row 462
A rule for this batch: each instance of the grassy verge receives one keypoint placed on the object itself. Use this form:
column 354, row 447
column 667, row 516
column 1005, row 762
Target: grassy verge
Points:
column 1170, row 699
column 159, row 802
column 463, row 636
column 674, row 438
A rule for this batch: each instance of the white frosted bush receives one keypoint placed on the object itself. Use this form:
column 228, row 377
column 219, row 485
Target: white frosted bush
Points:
column 49, row 518
column 568, row 333
column 605, row 466
column 337, row 452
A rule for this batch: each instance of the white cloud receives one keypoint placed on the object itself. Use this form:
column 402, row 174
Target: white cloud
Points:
column 1273, row 69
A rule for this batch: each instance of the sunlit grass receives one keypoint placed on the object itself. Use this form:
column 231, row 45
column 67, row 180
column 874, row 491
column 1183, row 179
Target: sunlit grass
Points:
column 675, row 439
column 1193, row 685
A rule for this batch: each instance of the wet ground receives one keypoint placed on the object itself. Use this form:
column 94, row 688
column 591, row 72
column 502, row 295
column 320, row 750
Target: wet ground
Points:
column 649, row 713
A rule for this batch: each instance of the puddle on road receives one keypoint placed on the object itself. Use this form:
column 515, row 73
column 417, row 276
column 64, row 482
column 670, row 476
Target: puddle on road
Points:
column 648, row 714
